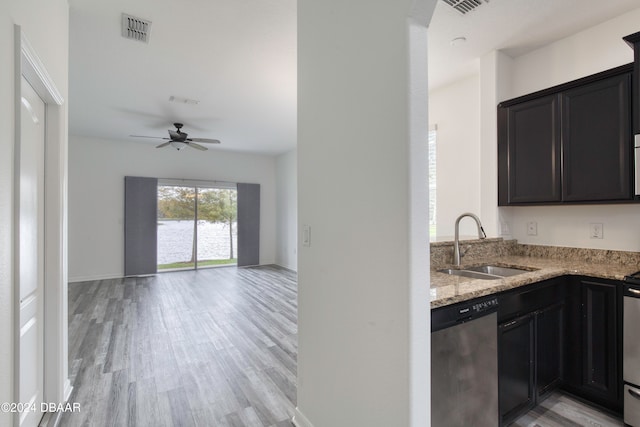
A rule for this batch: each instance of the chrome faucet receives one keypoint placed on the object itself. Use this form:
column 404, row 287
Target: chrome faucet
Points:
column 456, row 241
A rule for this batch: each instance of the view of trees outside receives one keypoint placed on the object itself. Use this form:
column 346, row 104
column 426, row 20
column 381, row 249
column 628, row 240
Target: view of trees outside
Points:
column 183, row 239
column 219, row 206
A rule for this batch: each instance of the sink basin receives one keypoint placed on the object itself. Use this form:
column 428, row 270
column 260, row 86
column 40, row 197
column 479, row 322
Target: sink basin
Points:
column 485, row 272
column 470, row 274
column 497, row 270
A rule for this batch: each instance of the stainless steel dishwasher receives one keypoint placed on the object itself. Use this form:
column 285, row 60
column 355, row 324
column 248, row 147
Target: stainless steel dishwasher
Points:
column 464, row 364
column 631, row 350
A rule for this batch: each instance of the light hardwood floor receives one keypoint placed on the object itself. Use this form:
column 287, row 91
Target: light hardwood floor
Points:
column 216, row 347
column 560, row 410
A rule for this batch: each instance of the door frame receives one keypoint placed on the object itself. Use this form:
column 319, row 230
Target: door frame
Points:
column 57, row 386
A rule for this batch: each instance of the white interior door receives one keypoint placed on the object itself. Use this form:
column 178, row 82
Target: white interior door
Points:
column 31, row 255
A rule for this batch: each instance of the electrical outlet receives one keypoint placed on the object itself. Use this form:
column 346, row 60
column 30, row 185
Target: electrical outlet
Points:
column 596, row 230
column 504, row 228
column 532, row 228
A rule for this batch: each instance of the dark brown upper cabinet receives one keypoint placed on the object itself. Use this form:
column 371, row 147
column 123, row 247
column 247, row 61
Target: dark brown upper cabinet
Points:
column 530, row 151
column 634, row 41
column 596, row 141
column 568, row 144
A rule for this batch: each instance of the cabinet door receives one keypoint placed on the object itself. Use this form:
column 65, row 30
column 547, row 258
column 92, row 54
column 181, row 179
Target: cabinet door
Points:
column 549, row 348
column 515, row 367
column 529, row 152
column 634, row 41
column 600, row 352
column 573, row 338
column 596, row 141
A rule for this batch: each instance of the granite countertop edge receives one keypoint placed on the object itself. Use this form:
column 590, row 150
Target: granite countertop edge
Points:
column 448, row 289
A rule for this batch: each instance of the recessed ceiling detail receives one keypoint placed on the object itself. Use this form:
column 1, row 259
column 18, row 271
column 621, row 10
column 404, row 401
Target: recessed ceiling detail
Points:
column 135, row 28
column 464, row 6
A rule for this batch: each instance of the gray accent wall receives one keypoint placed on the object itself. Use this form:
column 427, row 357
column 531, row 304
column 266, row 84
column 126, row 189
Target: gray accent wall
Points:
column 248, row 224
column 140, row 225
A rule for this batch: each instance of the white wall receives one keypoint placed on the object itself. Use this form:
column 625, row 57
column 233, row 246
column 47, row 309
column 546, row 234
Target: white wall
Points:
column 45, row 23
column 363, row 306
column 591, row 51
column 587, row 52
column 569, row 226
column 287, row 210
column 495, row 80
column 455, row 109
column 96, row 195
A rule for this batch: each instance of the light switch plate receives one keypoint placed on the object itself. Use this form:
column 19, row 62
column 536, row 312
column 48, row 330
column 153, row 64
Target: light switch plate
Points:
column 306, row 235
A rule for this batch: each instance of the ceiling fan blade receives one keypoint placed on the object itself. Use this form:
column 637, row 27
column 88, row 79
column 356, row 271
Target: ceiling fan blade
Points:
column 197, row 146
column 143, row 136
column 164, row 144
column 205, row 140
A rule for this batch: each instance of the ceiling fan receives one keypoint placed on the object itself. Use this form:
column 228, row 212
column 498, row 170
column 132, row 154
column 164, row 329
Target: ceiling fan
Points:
column 178, row 139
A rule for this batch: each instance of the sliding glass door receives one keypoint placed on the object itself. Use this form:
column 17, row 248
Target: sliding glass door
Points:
column 176, row 227
column 217, row 235
column 196, row 226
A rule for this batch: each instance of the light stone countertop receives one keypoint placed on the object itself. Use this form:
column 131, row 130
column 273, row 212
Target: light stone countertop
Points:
column 449, row 289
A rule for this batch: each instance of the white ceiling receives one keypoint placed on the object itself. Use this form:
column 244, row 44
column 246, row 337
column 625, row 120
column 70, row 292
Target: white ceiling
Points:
column 514, row 26
column 238, row 58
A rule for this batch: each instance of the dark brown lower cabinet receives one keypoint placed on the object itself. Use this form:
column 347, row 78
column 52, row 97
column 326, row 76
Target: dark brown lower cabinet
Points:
column 549, row 349
column 564, row 332
column 531, row 334
column 530, row 360
column 515, row 367
column 594, row 352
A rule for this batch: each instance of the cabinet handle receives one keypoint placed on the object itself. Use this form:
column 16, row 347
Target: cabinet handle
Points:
column 506, row 325
column 634, row 393
column 634, row 291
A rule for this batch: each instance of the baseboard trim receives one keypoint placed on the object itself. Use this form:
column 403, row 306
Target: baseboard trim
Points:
column 299, row 420
column 282, row 267
column 50, row 419
column 119, row 276
column 68, row 388
column 94, row 278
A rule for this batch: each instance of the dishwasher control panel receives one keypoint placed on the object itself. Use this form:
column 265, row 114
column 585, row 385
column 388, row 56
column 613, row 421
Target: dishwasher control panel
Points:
column 489, row 304
column 462, row 312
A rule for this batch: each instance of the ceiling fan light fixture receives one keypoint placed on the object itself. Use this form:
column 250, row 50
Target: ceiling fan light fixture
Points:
column 178, row 139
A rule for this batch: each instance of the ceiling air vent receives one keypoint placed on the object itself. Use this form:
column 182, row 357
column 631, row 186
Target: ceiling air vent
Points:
column 135, row 28
column 464, row 6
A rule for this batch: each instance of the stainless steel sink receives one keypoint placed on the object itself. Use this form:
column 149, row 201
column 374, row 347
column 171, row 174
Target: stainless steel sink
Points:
column 497, row 270
column 485, row 272
column 470, row 274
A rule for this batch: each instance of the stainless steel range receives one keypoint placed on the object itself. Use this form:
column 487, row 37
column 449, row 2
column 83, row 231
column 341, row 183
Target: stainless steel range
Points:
column 631, row 350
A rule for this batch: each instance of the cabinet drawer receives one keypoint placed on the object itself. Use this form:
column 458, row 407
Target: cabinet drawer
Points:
column 518, row 302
